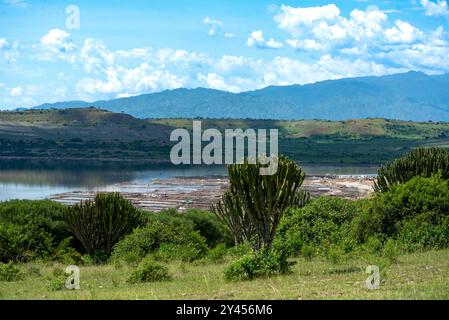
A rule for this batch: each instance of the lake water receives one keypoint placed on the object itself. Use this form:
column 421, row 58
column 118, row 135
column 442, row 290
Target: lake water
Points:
column 22, row 181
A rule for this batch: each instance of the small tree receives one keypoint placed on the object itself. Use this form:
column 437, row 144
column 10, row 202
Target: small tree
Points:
column 421, row 162
column 101, row 223
column 254, row 204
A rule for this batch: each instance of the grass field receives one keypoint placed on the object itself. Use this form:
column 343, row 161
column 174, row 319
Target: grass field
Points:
column 414, row 276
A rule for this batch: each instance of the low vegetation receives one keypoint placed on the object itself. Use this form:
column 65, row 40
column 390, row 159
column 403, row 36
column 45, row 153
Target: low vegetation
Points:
column 310, row 248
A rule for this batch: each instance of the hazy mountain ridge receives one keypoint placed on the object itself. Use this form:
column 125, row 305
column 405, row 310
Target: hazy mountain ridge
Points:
column 409, row 96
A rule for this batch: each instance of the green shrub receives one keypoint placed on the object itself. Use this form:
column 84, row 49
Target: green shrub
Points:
column 307, row 251
column 102, row 223
column 423, row 233
column 149, row 239
column 262, row 263
column 45, row 214
column 192, row 248
column 335, row 254
column 209, row 226
column 322, row 222
column 149, row 271
column 24, row 242
column 390, row 251
column 9, row 272
column 65, row 253
column 240, row 250
column 373, row 245
column 416, row 213
column 205, row 223
column 217, row 254
column 421, row 162
column 30, row 230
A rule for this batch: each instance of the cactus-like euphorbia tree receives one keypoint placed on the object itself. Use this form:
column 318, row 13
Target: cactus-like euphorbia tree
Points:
column 423, row 162
column 254, row 204
column 100, row 224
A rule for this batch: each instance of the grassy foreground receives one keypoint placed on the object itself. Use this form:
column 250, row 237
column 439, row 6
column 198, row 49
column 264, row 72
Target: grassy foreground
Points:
column 414, row 276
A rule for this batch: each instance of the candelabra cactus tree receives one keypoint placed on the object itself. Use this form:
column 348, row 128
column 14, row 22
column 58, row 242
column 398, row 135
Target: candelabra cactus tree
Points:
column 254, row 204
column 423, row 162
column 101, row 223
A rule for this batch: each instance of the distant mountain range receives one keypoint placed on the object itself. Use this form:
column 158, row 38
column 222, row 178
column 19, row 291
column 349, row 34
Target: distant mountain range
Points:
column 408, row 96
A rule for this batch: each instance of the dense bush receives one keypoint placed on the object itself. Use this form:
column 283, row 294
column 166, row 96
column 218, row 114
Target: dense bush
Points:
column 30, row 229
column 422, row 162
column 205, row 223
column 9, row 272
column 24, row 242
column 259, row 263
column 415, row 213
column 149, row 271
column 322, row 222
column 101, row 223
column 149, row 239
column 45, row 214
column 209, row 226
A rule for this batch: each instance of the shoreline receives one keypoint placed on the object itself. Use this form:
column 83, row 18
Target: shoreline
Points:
column 183, row 193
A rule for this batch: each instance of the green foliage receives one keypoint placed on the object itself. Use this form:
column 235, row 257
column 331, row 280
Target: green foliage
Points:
column 9, row 272
column 254, row 203
column 261, row 263
column 324, row 221
column 205, row 223
column 149, row 239
column 240, row 250
column 30, row 229
column 65, row 253
column 45, row 214
column 150, row 271
column 416, row 213
column 307, row 251
column 335, row 254
column 192, row 247
column 102, row 223
column 209, row 226
column 24, row 242
column 217, row 254
column 422, row 162
column 390, row 251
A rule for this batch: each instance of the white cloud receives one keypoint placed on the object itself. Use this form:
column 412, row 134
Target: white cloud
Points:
column 291, row 18
column 402, row 32
column 16, row 92
column 4, row 44
column 438, row 8
column 214, row 25
column 256, row 39
column 57, row 41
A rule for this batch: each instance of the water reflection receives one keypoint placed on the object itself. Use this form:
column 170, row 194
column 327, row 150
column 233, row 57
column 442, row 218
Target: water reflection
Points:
column 38, row 180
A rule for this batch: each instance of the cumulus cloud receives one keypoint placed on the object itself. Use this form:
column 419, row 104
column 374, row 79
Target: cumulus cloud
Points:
column 333, row 45
column 57, row 40
column 438, row 8
column 256, row 39
column 402, row 32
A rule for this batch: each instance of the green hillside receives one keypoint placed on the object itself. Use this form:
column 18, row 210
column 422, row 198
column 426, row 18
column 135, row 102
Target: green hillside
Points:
column 94, row 134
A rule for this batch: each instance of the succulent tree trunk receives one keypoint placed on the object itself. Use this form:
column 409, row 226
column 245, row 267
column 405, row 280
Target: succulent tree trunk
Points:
column 254, row 204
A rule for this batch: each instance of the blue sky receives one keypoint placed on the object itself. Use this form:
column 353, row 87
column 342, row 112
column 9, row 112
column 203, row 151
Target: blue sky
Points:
column 129, row 48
